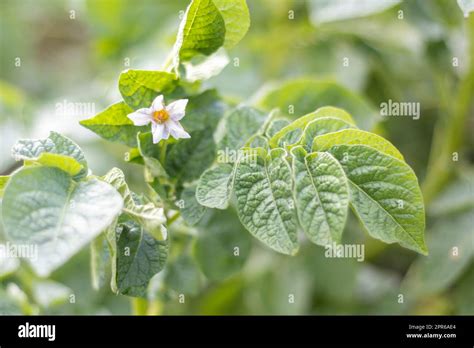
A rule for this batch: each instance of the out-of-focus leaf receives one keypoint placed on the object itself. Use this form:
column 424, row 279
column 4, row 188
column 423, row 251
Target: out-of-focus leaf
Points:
column 183, row 276
column 49, row 293
column 323, row 11
column 302, row 96
column 191, row 210
column 203, row 68
column 45, row 207
column 451, row 245
column 229, row 244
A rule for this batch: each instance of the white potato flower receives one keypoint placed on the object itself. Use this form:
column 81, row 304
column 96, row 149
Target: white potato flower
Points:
column 164, row 119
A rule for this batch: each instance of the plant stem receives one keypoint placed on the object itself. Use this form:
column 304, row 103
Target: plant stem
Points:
column 139, row 306
column 173, row 218
column 449, row 132
column 163, row 153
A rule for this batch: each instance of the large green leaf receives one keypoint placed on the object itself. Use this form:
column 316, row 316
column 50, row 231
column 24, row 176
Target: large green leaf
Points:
column 385, row 195
column 215, row 186
column 139, row 258
column 263, row 187
column 321, row 194
column 356, row 137
column 324, row 11
column 202, row 30
column 224, row 238
column 140, row 87
column 303, row 96
column 238, row 127
column 113, row 124
column 44, row 206
column 55, row 143
column 288, row 135
column 237, row 20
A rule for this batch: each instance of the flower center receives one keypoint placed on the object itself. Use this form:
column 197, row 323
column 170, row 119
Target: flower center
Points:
column 161, row 116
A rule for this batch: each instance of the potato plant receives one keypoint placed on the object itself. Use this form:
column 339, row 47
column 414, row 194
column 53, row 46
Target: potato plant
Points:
column 291, row 170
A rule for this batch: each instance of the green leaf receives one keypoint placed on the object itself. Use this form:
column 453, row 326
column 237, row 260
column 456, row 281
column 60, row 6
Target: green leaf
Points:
column 275, row 126
column 237, row 20
column 451, row 251
column 65, row 163
column 139, row 258
column 44, row 206
column 239, row 126
column 215, row 186
column 191, row 210
column 292, row 133
column 456, row 197
column 321, row 194
column 224, row 239
column 31, row 149
column 203, row 68
column 321, row 126
column 263, row 187
column 335, row 10
column 356, row 137
column 385, row 195
column 202, row 30
column 183, row 276
column 189, row 158
column 203, row 111
column 139, row 87
column 150, row 216
column 3, row 183
column 100, row 260
column 112, row 124
column 302, row 96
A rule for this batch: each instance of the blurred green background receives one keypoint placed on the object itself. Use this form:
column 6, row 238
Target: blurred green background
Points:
column 54, row 53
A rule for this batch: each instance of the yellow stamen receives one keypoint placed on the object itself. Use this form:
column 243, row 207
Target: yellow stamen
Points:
column 161, row 116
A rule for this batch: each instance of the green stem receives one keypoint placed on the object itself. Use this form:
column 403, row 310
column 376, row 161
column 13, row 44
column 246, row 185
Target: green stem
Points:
column 449, row 131
column 173, row 218
column 139, row 306
column 163, row 153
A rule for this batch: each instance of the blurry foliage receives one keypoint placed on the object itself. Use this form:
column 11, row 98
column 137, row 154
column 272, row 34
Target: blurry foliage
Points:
column 403, row 59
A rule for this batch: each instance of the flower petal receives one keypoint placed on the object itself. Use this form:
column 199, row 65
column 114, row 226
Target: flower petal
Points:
column 158, row 104
column 176, row 109
column 159, row 132
column 177, row 131
column 141, row 117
